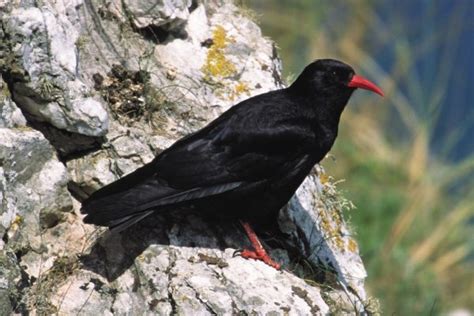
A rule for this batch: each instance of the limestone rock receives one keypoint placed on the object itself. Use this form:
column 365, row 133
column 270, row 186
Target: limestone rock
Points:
column 159, row 13
column 323, row 236
column 10, row 114
column 33, row 184
column 9, row 274
column 42, row 67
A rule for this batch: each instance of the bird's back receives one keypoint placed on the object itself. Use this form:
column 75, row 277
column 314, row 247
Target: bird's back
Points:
column 256, row 146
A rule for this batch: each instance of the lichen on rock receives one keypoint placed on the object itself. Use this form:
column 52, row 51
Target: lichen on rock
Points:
column 217, row 65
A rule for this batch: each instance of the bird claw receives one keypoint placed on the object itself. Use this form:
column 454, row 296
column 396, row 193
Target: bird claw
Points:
column 257, row 255
column 237, row 253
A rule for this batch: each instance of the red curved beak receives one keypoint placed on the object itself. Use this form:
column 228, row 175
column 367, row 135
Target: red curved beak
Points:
column 360, row 82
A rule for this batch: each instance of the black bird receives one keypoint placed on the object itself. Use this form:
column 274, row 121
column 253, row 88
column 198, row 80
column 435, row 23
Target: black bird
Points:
column 246, row 164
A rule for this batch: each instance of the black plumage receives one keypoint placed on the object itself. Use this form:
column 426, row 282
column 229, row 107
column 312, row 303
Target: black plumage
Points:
column 247, row 163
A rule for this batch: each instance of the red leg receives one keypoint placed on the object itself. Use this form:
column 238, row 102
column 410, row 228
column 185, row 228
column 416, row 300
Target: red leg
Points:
column 259, row 253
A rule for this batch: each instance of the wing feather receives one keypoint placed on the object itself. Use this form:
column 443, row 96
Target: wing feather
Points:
column 236, row 150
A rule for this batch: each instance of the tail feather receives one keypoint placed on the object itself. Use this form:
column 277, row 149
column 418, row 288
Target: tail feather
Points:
column 121, row 224
column 129, row 200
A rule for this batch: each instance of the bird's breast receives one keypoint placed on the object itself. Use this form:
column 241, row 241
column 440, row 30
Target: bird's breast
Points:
column 324, row 140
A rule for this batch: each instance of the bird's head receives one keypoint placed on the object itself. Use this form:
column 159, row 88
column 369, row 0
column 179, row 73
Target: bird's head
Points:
column 332, row 78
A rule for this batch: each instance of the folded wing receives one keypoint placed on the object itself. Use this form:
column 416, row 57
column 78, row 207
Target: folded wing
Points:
column 233, row 151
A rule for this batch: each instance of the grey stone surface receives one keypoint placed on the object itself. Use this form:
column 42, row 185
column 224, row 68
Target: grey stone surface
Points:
column 167, row 13
column 47, row 83
column 10, row 114
column 9, row 274
column 110, row 85
column 179, row 266
column 323, row 235
column 33, row 183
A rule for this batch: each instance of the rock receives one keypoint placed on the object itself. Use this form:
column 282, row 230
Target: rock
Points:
column 180, row 268
column 323, row 236
column 172, row 14
column 9, row 281
column 107, row 86
column 33, row 185
column 10, row 114
column 54, row 91
column 41, row 67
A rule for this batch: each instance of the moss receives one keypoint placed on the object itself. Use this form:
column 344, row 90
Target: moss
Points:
column 217, row 65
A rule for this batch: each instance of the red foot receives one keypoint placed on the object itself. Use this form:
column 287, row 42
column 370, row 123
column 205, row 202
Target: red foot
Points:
column 259, row 253
column 249, row 254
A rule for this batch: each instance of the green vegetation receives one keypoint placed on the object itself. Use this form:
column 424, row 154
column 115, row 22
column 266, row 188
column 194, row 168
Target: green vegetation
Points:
column 414, row 208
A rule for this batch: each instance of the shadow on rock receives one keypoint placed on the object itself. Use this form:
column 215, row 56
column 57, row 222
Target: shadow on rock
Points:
column 114, row 252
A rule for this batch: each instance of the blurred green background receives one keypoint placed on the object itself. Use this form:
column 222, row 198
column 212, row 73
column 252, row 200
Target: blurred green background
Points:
column 408, row 159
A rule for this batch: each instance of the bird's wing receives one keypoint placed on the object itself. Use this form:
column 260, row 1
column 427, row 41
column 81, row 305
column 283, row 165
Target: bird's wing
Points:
column 233, row 151
column 249, row 143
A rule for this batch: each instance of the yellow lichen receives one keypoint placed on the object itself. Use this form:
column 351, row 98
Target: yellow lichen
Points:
column 240, row 87
column 330, row 210
column 353, row 246
column 339, row 243
column 332, row 226
column 16, row 222
column 324, row 178
column 217, row 65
